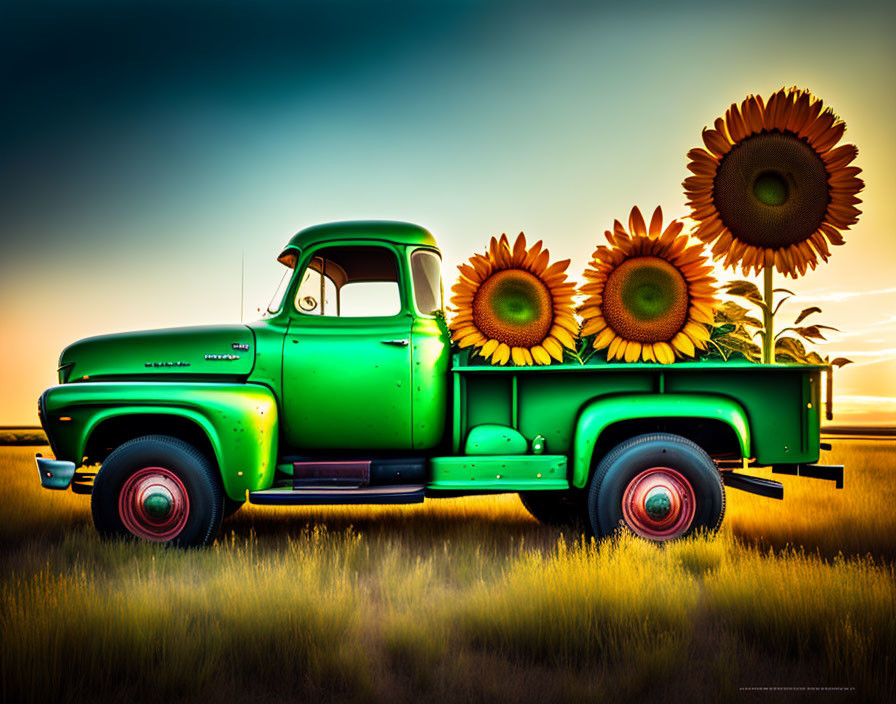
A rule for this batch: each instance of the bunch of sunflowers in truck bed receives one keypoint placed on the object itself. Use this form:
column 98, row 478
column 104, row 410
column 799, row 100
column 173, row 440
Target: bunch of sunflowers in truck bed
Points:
column 771, row 190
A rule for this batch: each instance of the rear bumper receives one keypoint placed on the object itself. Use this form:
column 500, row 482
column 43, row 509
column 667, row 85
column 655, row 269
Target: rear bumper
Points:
column 55, row 474
column 831, row 472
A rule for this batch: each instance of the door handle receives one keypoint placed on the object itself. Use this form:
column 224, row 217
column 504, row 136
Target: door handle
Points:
column 397, row 343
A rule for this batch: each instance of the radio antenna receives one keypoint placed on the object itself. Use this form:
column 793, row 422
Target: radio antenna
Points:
column 242, row 280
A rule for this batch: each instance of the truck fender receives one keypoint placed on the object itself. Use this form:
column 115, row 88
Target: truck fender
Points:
column 239, row 420
column 598, row 415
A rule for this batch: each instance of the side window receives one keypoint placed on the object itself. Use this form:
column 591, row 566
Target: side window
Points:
column 350, row 282
column 426, row 274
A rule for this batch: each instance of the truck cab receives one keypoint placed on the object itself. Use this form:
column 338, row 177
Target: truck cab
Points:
column 366, row 351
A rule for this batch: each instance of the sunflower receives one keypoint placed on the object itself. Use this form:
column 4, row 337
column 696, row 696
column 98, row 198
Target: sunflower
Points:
column 511, row 305
column 649, row 293
column 773, row 189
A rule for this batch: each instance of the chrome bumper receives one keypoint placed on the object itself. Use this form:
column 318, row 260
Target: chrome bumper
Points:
column 54, row 474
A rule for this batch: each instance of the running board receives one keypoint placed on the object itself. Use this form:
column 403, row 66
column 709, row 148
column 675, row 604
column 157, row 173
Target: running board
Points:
column 402, row 494
column 355, row 474
column 754, row 485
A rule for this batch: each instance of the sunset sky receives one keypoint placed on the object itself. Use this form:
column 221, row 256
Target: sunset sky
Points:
column 144, row 151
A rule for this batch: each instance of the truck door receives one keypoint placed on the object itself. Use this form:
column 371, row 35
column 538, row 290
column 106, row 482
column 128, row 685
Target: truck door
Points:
column 346, row 358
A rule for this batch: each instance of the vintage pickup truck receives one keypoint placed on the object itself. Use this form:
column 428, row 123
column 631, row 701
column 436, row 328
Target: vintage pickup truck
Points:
column 347, row 391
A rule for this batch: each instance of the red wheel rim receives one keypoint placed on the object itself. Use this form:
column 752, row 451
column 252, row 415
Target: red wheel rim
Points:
column 153, row 504
column 659, row 504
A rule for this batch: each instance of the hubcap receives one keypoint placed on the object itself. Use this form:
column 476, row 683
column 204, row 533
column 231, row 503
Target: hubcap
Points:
column 158, row 502
column 154, row 504
column 659, row 504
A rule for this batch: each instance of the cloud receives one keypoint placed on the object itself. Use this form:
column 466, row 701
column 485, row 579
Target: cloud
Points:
column 839, row 296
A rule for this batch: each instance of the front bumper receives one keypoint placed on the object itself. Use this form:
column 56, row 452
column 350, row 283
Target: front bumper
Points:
column 55, row 474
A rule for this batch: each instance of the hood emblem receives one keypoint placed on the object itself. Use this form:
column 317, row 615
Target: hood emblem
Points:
column 226, row 357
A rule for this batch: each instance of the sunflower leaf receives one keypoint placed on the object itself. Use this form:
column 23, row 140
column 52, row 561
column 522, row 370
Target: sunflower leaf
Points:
column 780, row 303
column 717, row 348
column 815, row 358
column 812, row 332
column 732, row 313
column 743, row 289
column 805, row 313
column 840, row 362
column 783, row 290
column 736, row 344
column 790, row 347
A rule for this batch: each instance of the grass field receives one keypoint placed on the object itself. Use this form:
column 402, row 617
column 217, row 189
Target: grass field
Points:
column 462, row 600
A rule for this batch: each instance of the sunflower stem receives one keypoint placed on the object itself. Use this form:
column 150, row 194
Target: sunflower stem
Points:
column 768, row 317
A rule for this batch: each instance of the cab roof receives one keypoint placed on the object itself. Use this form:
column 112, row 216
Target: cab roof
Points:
column 402, row 233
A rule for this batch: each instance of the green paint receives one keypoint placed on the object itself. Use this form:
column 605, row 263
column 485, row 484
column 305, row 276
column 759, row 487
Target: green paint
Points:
column 495, row 440
column 239, row 421
column 771, row 188
column 650, row 292
column 600, row 414
column 176, row 352
column 430, row 360
column 398, row 233
column 499, row 473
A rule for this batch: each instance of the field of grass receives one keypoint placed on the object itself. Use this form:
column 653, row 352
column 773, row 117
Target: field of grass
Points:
column 461, row 600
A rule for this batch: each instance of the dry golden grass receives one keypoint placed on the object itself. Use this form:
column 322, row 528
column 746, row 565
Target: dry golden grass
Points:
column 856, row 520
column 460, row 600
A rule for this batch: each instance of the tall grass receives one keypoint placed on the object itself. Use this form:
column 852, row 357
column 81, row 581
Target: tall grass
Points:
column 857, row 519
column 461, row 600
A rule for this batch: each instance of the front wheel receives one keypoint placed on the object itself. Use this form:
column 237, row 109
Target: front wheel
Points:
column 659, row 486
column 160, row 489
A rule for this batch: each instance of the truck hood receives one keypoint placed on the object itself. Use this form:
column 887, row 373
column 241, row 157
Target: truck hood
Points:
column 225, row 350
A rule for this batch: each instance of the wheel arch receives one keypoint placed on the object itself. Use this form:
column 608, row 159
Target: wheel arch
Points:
column 239, row 422
column 110, row 430
column 705, row 419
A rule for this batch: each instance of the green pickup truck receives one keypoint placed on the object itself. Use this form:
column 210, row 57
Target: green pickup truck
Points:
column 347, row 391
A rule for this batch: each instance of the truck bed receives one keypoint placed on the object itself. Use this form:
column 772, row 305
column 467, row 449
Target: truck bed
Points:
column 782, row 401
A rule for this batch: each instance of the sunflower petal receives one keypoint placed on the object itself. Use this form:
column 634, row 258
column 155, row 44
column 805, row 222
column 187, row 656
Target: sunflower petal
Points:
column 636, row 222
column 663, row 353
column 488, row 348
column 540, row 355
column 604, row 338
column 554, row 348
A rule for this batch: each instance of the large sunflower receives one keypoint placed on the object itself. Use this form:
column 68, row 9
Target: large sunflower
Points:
column 512, row 305
column 772, row 189
column 649, row 293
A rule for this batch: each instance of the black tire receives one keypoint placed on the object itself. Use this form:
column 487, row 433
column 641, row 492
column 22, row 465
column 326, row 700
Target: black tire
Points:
column 230, row 506
column 618, row 472
column 184, row 466
column 557, row 508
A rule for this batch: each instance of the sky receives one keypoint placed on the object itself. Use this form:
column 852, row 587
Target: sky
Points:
column 149, row 150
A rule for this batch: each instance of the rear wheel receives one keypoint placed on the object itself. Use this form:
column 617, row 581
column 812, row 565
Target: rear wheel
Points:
column 160, row 489
column 556, row 508
column 659, row 486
